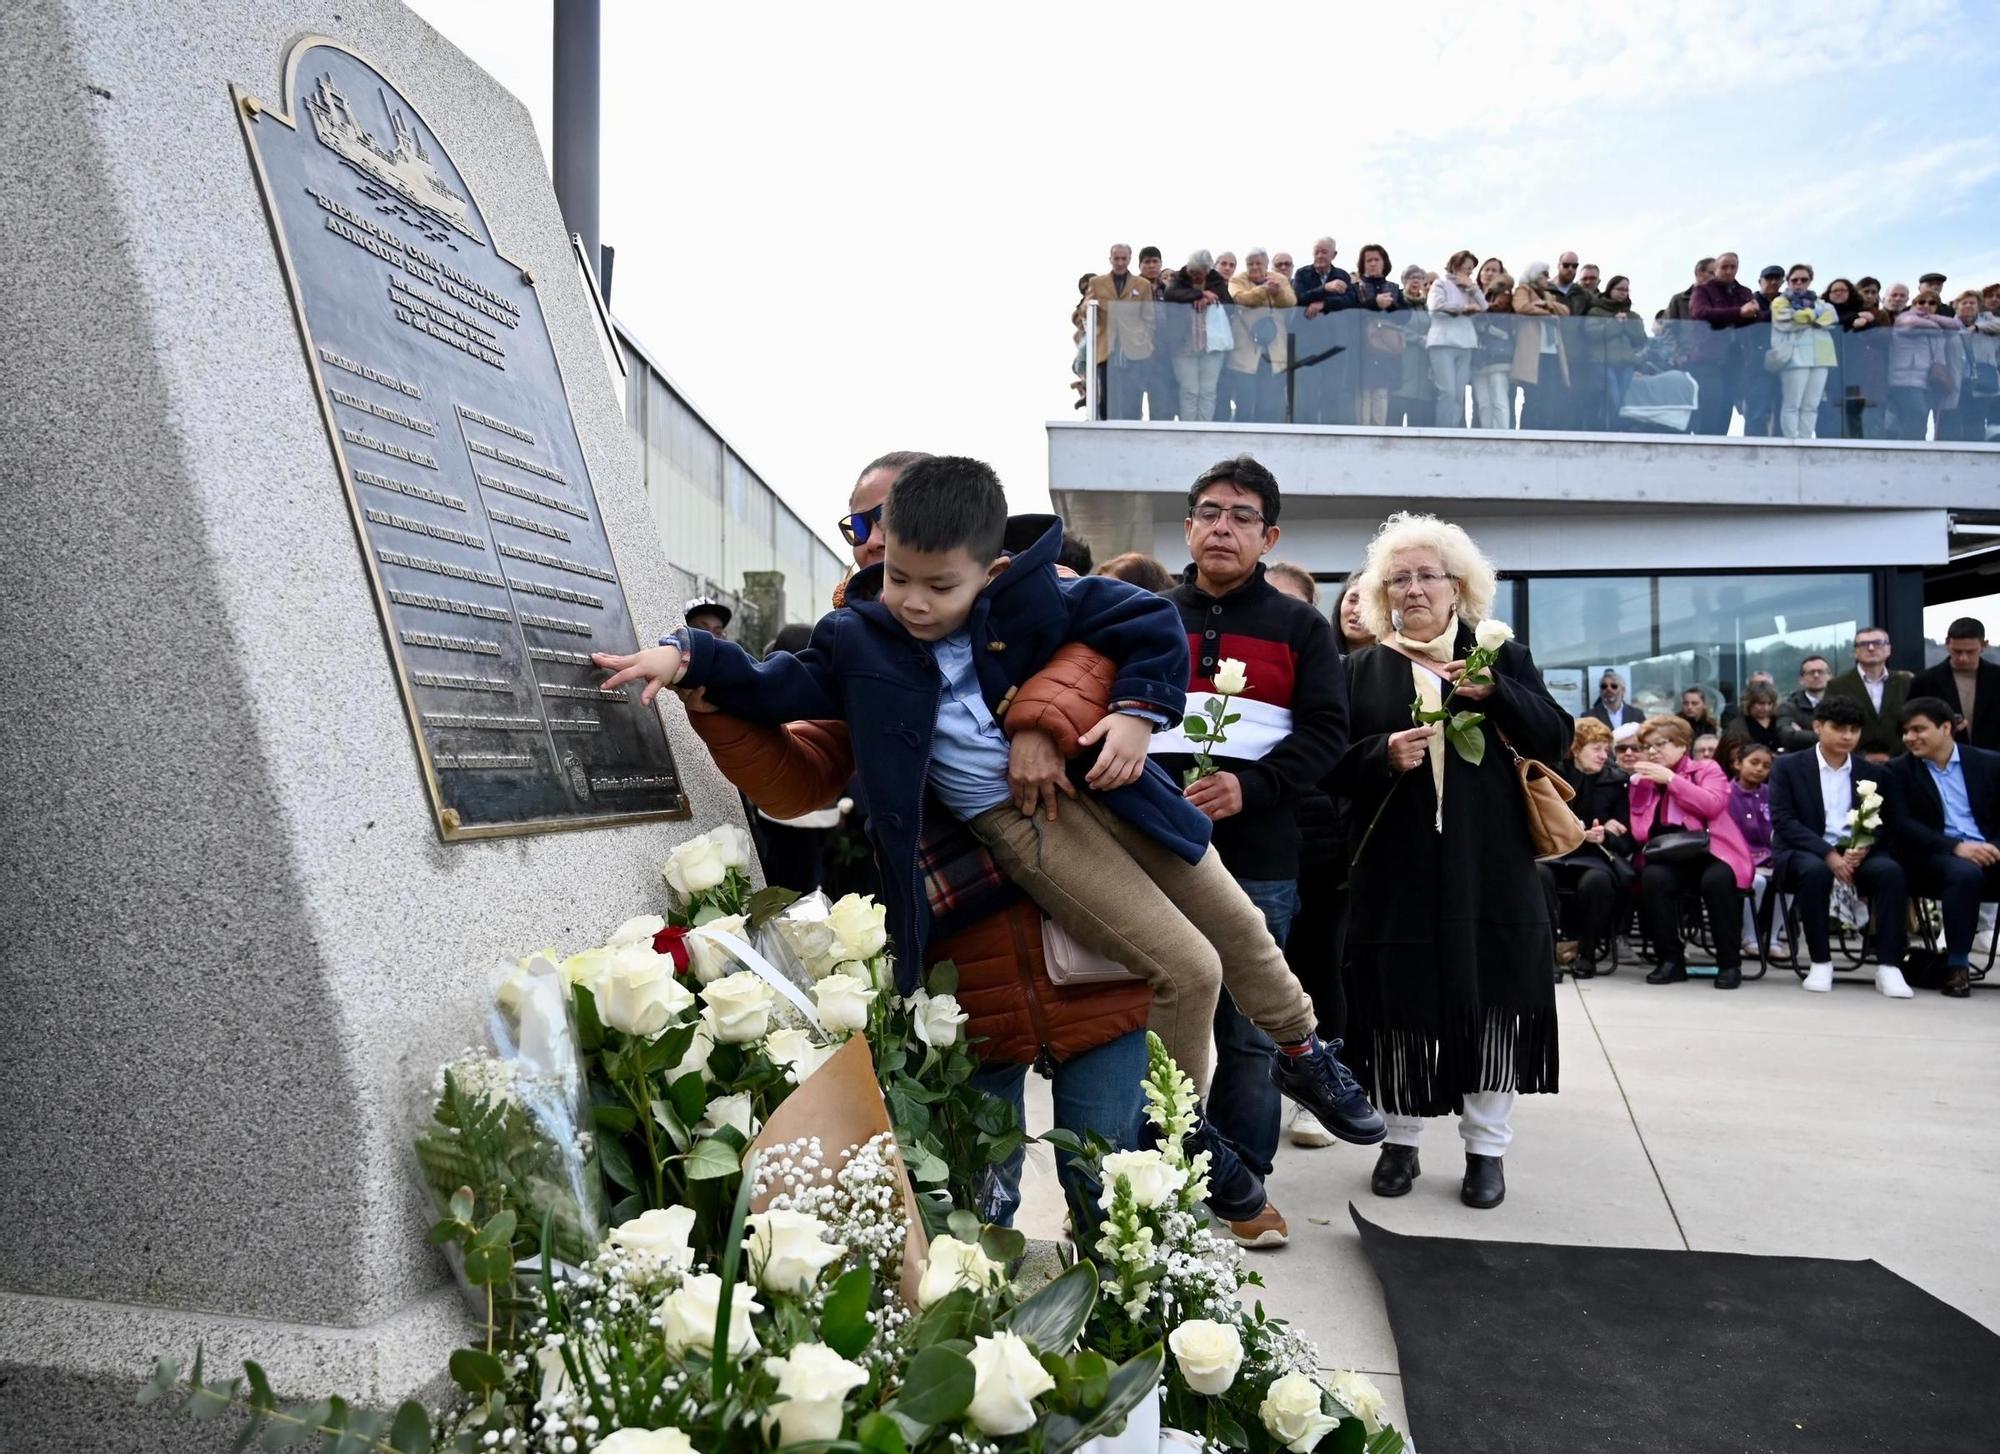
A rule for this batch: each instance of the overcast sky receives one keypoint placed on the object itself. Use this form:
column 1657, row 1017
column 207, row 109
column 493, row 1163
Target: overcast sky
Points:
column 850, row 229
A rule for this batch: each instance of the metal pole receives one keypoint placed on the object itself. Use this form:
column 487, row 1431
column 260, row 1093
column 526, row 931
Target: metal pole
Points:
column 1090, row 359
column 576, row 122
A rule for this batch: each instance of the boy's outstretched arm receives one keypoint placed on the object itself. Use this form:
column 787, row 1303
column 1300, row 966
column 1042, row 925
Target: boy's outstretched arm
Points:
column 786, row 687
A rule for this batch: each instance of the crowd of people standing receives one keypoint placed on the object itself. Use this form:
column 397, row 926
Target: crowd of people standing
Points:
column 1556, row 346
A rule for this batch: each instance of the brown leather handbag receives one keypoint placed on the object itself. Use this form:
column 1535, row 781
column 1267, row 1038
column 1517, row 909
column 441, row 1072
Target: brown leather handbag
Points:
column 1555, row 830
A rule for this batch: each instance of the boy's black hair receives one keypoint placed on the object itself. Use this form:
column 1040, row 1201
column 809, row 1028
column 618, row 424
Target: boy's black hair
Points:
column 1840, row 711
column 947, row 502
column 1936, row 709
column 1075, row 554
column 1245, row 473
column 1966, row 628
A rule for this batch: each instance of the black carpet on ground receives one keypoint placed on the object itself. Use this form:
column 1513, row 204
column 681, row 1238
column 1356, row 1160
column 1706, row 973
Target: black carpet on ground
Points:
column 1527, row 1346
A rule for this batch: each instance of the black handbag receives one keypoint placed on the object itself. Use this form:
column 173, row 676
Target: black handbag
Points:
column 1681, row 846
column 1925, row 969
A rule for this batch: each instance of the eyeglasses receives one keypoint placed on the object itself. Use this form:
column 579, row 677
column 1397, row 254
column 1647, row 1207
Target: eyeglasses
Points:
column 1625, row 747
column 1238, row 515
column 1430, row 580
column 1872, row 644
column 855, row 529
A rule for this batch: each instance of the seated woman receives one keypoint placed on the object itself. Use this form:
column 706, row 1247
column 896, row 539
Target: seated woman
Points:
column 1680, row 807
column 1758, row 721
column 1593, row 872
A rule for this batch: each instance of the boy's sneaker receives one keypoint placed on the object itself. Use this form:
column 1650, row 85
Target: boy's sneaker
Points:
column 1266, row 1229
column 1320, row 1083
column 1235, row 1192
column 1305, row 1130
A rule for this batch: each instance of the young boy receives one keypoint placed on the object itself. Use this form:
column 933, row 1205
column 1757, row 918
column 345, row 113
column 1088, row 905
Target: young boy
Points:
column 922, row 676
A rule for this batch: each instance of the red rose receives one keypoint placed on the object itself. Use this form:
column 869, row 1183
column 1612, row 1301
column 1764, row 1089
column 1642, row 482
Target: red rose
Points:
column 672, row 940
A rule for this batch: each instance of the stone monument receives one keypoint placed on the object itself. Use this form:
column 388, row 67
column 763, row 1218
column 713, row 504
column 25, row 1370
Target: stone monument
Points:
column 319, row 496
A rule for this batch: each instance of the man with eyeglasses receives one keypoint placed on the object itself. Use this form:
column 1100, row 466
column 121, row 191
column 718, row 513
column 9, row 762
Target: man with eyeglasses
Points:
column 1292, row 728
column 1880, row 692
column 1611, row 708
column 1795, row 713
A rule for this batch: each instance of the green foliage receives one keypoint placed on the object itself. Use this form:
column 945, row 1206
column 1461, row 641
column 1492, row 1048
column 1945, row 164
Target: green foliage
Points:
column 1053, row 1317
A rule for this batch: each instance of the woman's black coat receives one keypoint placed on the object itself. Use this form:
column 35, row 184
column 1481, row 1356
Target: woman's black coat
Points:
column 1450, row 956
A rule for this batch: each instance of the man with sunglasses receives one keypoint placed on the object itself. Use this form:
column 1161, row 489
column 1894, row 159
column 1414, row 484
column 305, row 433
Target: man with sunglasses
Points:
column 1880, row 692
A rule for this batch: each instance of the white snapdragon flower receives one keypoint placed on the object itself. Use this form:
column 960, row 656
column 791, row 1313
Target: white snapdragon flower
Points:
column 843, row 1001
column 937, row 1019
column 1207, row 1353
column 1292, row 1414
column 687, row 1317
column 1491, row 635
column 1362, row 1399
column 1153, row 1179
column 637, row 992
column 954, row 1264
column 813, row 1384
column 1231, row 677
column 1007, row 1379
column 789, row 1250
column 709, row 960
column 739, row 1007
column 661, row 1233
column 859, row 926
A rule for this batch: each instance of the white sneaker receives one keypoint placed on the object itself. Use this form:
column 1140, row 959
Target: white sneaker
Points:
column 1819, row 979
column 1890, row 981
column 1305, row 1129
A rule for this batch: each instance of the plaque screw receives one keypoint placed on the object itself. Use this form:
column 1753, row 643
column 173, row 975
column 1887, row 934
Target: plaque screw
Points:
column 449, row 817
column 251, row 106
column 528, row 277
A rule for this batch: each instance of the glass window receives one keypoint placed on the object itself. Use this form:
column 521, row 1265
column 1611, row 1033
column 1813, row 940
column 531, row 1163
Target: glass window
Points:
column 1663, row 634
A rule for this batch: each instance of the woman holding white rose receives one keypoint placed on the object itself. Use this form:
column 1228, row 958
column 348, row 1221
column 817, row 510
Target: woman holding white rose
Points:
column 1451, row 1004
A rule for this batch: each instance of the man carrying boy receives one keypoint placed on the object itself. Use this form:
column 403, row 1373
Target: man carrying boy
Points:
column 1812, row 796
column 922, row 675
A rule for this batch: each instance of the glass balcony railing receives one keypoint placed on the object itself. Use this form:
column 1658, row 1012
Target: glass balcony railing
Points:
column 1602, row 373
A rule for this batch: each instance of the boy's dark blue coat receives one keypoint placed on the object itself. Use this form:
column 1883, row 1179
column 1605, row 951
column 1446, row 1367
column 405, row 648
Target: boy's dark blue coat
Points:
column 865, row 669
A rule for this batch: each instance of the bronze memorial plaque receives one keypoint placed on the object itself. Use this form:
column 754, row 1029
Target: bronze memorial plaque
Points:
column 453, row 436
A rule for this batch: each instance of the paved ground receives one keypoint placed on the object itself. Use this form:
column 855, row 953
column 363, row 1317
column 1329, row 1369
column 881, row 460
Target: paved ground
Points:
column 1764, row 1121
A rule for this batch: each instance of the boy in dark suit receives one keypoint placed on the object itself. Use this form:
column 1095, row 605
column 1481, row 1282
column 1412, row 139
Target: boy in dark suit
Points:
column 1818, row 802
column 1944, row 820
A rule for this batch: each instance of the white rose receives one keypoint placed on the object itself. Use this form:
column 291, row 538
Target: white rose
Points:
column 938, row 1018
column 646, row 1441
column 1867, row 791
column 1207, row 1353
column 709, row 960
column 739, row 1007
column 1231, row 677
column 695, row 1062
column 1291, row 1412
column 638, row 994
column 954, row 1264
column 661, row 1233
column 733, row 844
column 1362, row 1398
column 584, row 968
column 555, row 1373
column 813, row 1381
column 1492, row 635
column 843, row 1001
column 731, row 1110
column 811, row 939
column 632, row 931
column 795, row 1048
column 789, row 1250
column 687, row 1317
column 1007, row 1378
column 1152, row 1177
column 857, row 923
column 695, row 867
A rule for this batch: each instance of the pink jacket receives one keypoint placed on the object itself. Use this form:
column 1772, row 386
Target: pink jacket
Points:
column 1697, row 798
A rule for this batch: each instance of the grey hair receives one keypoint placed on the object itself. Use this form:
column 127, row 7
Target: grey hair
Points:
column 1328, row 241
column 1116, row 245
column 1534, row 273
column 1221, row 255
column 1201, row 259
column 1256, row 252
column 1463, row 561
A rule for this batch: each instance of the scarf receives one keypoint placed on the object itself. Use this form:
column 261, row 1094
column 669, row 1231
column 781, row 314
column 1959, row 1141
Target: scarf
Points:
column 1430, row 689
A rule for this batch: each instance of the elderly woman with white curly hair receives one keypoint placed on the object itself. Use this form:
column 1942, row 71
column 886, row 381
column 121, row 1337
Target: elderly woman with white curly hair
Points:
column 1450, row 954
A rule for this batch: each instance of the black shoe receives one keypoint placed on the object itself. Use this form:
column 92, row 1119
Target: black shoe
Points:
column 1668, row 972
column 1395, row 1169
column 1730, row 978
column 1235, row 1192
column 1958, row 983
column 1319, row 1082
column 1485, row 1183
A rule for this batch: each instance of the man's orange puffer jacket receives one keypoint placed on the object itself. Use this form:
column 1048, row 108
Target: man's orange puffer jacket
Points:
column 1014, row 1009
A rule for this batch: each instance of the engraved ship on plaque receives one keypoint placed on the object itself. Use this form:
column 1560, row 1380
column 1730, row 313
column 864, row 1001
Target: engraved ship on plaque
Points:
column 407, row 170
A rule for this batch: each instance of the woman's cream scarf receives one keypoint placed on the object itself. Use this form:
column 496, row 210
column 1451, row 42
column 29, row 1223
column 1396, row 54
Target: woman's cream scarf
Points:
column 1431, row 691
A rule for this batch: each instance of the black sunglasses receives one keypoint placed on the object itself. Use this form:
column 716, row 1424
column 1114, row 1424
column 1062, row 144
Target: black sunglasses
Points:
column 855, row 529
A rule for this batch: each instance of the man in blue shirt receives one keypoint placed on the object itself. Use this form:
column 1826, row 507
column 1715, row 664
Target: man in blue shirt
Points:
column 1942, row 807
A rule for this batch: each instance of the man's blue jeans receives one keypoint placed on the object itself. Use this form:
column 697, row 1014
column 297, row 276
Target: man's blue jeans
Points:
column 1243, row 1103
column 1095, row 1091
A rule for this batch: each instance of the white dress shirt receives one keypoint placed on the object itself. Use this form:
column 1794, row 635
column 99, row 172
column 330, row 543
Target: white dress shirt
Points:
column 1875, row 686
column 1836, row 790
